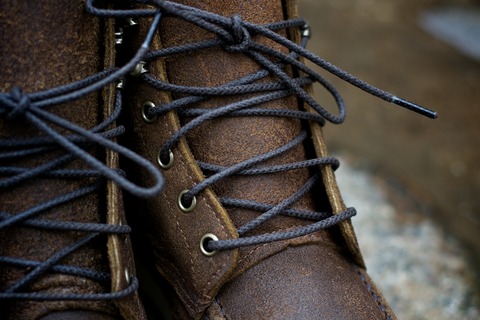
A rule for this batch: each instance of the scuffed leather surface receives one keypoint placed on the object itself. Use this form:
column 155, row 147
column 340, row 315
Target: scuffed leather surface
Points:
column 46, row 44
column 305, row 282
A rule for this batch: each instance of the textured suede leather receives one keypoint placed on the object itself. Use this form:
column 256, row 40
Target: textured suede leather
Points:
column 319, row 276
column 46, row 44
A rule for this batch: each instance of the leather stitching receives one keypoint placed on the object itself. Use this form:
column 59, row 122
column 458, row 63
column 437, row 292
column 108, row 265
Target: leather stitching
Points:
column 222, row 308
column 374, row 295
column 204, row 297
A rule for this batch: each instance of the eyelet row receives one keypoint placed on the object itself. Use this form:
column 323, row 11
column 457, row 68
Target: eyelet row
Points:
column 167, row 165
column 147, row 105
column 207, row 237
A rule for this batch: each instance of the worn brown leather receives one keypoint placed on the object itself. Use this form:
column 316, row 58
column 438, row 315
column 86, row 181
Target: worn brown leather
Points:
column 45, row 44
column 318, row 276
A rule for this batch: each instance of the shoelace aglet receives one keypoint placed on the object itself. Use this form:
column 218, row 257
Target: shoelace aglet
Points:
column 414, row 107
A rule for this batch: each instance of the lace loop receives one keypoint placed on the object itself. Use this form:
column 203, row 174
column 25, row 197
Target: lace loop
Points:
column 39, row 118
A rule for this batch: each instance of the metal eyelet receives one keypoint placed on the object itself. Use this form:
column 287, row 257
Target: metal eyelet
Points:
column 131, row 22
column 147, row 105
column 127, row 276
column 203, row 244
column 139, row 69
column 306, row 31
column 120, row 84
column 192, row 205
column 167, row 165
column 119, row 36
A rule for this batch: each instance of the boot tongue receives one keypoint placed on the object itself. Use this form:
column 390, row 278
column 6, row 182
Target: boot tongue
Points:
column 229, row 140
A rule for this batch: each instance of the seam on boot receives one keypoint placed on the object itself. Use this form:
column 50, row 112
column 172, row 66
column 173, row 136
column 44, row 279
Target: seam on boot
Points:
column 222, row 308
column 190, row 301
column 374, row 295
column 215, row 276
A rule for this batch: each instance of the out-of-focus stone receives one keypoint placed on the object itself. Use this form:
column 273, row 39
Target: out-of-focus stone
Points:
column 423, row 273
column 393, row 52
column 458, row 26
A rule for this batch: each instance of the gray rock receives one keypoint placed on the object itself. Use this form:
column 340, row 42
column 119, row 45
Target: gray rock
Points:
column 422, row 272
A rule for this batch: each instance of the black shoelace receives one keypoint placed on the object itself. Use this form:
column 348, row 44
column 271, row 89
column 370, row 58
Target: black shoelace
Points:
column 235, row 35
column 33, row 108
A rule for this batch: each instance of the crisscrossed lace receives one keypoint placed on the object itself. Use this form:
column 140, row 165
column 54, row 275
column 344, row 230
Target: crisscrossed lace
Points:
column 235, row 35
column 33, row 108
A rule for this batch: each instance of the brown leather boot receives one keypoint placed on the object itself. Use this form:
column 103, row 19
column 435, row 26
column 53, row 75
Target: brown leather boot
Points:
column 64, row 243
column 251, row 224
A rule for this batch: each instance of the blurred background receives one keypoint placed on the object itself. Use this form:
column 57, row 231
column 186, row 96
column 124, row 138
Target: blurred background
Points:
column 414, row 181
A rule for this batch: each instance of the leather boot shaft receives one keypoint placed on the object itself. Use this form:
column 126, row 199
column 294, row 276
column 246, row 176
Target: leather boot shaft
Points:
column 314, row 275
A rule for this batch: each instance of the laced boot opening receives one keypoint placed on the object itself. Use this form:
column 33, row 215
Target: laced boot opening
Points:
column 210, row 107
